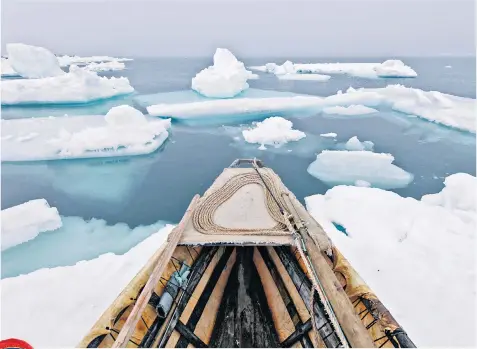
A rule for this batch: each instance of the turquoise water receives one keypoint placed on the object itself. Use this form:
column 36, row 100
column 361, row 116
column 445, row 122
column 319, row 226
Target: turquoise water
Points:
column 158, row 187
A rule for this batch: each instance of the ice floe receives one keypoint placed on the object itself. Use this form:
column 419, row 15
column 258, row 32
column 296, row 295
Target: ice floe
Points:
column 355, row 144
column 313, row 77
column 329, row 135
column 225, row 79
column 350, row 110
column 78, row 86
column 32, row 61
column 123, row 131
column 24, row 222
column 77, row 60
column 389, row 68
column 428, row 248
column 6, row 69
column 274, row 131
column 76, row 313
column 336, row 167
column 105, row 66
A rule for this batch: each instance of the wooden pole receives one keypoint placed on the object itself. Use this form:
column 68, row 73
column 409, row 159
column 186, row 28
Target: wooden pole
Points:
column 141, row 303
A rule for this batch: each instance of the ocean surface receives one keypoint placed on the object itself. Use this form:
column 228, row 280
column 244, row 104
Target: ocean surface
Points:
column 158, row 187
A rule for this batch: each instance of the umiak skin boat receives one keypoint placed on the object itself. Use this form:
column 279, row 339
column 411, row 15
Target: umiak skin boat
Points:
column 247, row 266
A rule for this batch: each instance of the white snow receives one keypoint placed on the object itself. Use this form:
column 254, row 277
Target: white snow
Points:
column 225, row 79
column 123, row 131
column 91, row 286
column 449, row 110
column 346, row 167
column 430, row 249
column 105, row 66
column 329, row 135
column 314, row 77
column 350, row 110
column 355, row 144
column 233, row 106
column 32, row 61
column 77, row 86
column 24, row 222
column 274, row 131
column 77, row 60
column 6, row 68
column 389, row 68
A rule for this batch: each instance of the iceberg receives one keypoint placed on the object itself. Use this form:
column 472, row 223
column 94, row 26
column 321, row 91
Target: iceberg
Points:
column 350, row 110
column 79, row 86
column 336, row 167
column 105, row 66
column 123, row 131
column 225, row 79
column 312, row 77
column 109, row 273
column 355, row 144
column 26, row 221
column 6, row 69
column 274, row 131
column 425, row 247
column 66, row 60
column 32, row 61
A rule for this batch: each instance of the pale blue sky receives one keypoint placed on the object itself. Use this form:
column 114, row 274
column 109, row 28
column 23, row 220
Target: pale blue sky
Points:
column 248, row 28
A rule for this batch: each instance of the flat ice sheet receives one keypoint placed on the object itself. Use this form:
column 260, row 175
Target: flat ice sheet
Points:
column 310, row 77
column 55, row 138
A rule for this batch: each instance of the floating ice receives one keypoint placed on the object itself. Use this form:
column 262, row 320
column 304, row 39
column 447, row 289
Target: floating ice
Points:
column 425, row 247
column 226, row 78
column 346, row 167
column 6, row 69
column 394, row 68
column 78, row 86
column 329, row 135
column 274, row 131
column 355, row 144
column 350, row 110
column 314, row 77
column 24, row 222
column 449, row 110
column 32, row 61
column 285, row 68
column 123, row 131
column 77, row 60
column 105, row 66
column 76, row 313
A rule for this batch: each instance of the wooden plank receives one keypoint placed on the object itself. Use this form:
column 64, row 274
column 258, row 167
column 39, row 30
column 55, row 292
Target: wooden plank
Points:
column 141, row 303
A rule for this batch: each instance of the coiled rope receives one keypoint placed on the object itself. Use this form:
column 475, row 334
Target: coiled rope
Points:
column 203, row 218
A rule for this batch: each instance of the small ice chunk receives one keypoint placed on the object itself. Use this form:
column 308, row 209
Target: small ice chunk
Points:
column 394, row 68
column 24, row 222
column 346, row 167
column 77, row 60
column 448, row 66
column 105, row 66
column 329, row 135
column 313, row 77
column 355, row 144
column 32, row 61
column 225, row 79
column 124, row 115
column 350, row 110
column 274, row 131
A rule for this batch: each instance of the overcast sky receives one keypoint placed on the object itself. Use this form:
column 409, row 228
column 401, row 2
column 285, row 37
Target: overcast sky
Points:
column 248, row 28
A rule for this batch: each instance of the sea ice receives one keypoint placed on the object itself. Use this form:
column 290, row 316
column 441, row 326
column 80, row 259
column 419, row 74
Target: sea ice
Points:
column 77, row 60
column 350, row 110
column 274, row 131
column 394, row 68
column 355, row 144
column 77, row 313
column 225, row 79
column 105, row 66
column 32, row 61
column 24, row 222
column 123, row 131
column 314, row 77
column 329, row 135
column 346, row 167
column 6, row 69
column 78, row 86
column 425, row 247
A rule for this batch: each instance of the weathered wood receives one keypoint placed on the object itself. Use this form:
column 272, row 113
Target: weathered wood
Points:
column 143, row 299
column 300, row 332
column 189, row 335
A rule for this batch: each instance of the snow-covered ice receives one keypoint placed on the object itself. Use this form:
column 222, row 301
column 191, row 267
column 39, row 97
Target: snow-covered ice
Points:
column 77, row 86
column 312, row 77
column 24, row 222
column 355, row 144
column 105, row 66
column 394, row 68
column 226, row 78
column 329, row 135
column 274, row 131
column 77, row 313
column 429, row 248
column 6, row 69
column 336, row 167
column 123, row 131
column 77, row 60
column 32, row 61
column 354, row 109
